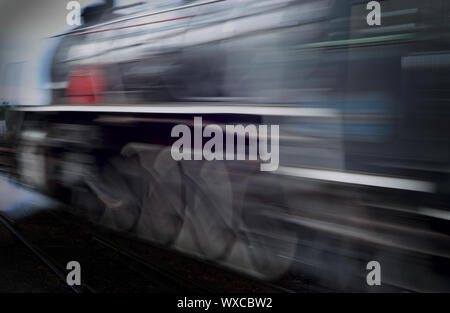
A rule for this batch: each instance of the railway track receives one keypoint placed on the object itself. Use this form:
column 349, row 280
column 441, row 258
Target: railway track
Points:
column 266, row 286
column 203, row 275
column 56, row 268
column 105, row 267
column 114, row 263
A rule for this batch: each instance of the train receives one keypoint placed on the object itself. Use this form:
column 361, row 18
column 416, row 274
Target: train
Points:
column 363, row 133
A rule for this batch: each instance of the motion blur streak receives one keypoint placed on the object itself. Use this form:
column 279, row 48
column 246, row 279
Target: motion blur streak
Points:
column 363, row 114
column 134, row 25
column 189, row 109
column 359, row 179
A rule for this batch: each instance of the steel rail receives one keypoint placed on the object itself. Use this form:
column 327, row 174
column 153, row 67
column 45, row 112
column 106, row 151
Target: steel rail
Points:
column 155, row 268
column 40, row 254
column 267, row 284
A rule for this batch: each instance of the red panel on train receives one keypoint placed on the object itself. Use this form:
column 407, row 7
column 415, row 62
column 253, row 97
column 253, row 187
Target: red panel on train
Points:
column 86, row 85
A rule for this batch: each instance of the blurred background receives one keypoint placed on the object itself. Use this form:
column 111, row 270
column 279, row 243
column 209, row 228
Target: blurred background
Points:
column 363, row 111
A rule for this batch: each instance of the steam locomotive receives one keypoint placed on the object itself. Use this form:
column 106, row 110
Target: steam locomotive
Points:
column 363, row 118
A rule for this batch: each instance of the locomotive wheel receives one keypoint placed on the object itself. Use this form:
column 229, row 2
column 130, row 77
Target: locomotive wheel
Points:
column 266, row 246
column 270, row 246
column 210, row 207
column 122, row 207
column 163, row 202
column 85, row 202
